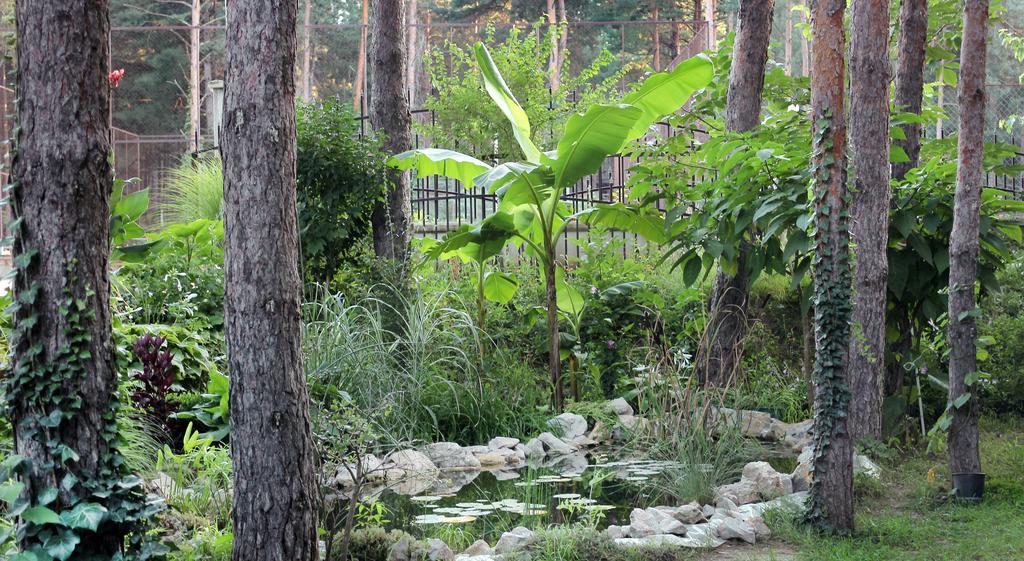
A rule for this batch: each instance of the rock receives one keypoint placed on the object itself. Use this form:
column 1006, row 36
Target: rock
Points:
column 740, row 493
column 736, row 529
column 479, row 547
column 370, row 470
column 491, row 460
column 801, row 476
column 514, row 540
column 708, row 511
column 534, row 449
column 658, row 540
column 476, row 558
column 863, row 464
column 690, row 513
column 754, row 424
column 615, row 532
column 726, row 504
column 798, row 435
column 651, row 521
column 768, row 482
column 553, row 446
column 499, row 442
column 568, row 426
column 599, row 433
column 406, row 549
column 449, row 455
column 409, row 472
column 437, row 550
column 506, row 474
column 702, row 535
column 761, row 530
column 619, row 407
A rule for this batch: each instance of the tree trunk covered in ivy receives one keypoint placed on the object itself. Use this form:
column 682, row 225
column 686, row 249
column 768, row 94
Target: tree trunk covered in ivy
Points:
column 963, row 243
column 61, row 388
column 913, row 25
column 718, row 357
column 869, row 140
column 389, row 116
column 831, row 503
column 275, row 514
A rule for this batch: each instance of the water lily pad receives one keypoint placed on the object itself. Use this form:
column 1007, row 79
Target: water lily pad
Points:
column 426, row 499
column 566, row 496
column 459, row 519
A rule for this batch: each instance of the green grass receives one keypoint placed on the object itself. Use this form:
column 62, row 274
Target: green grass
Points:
column 911, row 521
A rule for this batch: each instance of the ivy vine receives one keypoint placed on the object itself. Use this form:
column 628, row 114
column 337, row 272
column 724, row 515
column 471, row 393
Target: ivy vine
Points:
column 61, row 513
column 832, row 309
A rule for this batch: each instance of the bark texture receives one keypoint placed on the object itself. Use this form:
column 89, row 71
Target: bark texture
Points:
column 63, row 182
column 389, row 115
column 963, row 241
column 913, row 26
column 831, row 502
column 869, row 140
column 718, row 357
column 275, row 504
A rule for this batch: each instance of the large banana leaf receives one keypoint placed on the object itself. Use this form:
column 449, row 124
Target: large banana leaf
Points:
column 526, row 188
column 502, row 96
column 666, row 92
column 502, row 174
column 477, row 242
column 589, row 139
column 648, row 224
column 438, row 161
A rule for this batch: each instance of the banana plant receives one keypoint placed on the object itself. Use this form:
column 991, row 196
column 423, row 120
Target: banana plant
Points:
column 530, row 191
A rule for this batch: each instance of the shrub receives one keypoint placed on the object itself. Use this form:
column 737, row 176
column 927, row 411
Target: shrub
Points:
column 340, row 177
column 193, row 191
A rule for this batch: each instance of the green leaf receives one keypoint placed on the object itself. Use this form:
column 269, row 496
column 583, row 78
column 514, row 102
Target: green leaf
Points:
column 665, row 92
column 41, row 515
column 9, row 492
column 134, row 205
column 437, row 161
column 495, row 85
column 61, row 545
column 618, row 216
column 960, row 401
column 569, row 300
column 84, row 515
column 897, row 154
column 691, row 270
column 590, row 138
column 499, row 287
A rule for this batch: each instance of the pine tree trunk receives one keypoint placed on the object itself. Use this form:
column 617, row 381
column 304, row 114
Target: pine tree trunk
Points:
column 718, row 357
column 553, row 59
column 389, row 114
column 62, row 177
column 195, row 82
column 411, row 54
column 360, row 78
column 307, row 53
column 869, row 140
column 275, row 496
column 910, row 77
column 788, row 41
column 831, row 502
column 963, row 242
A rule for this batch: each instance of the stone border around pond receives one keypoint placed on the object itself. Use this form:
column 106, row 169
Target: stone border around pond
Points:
column 736, row 515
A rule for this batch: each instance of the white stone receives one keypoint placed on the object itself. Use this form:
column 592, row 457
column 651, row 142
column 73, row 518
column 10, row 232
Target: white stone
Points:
column 437, row 550
column 502, row 442
column 769, row 483
column 801, row 476
column 449, row 455
column 619, row 407
column 568, row 426
column 479, row 547
column 534, row 449
column 408, row 463
column 656, row 540
column 516, row 539
column 554, row 446
column 691, row 513
column 703, row 535
column 734, row 528
column 652, row 521
column 863, row 464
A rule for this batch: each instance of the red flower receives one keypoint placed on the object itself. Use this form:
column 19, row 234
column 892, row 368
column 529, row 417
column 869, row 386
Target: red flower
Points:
column 115, row 77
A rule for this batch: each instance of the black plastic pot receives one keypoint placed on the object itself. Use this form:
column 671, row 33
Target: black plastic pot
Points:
column 969, row 486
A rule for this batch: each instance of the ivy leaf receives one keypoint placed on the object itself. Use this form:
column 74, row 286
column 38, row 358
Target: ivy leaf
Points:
column 41, row 515
column 61, row 545
column 48, row 496
column 9, row 492
column 84, row 515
